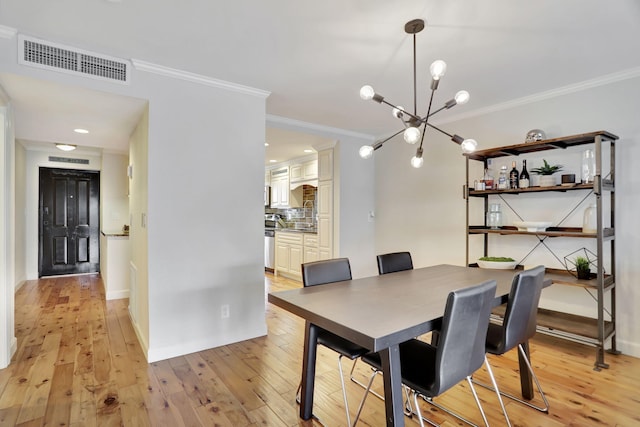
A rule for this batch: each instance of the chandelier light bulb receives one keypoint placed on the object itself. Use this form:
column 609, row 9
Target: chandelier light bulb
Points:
column 397, row 112
column 417, row 162
column 411, row 135
column 367, row 92
column 437, row 69
column 462, row 97
column 469, row 145
column 366, row 151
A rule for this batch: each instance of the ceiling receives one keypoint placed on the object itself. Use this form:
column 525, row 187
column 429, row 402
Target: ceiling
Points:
column 314, row 56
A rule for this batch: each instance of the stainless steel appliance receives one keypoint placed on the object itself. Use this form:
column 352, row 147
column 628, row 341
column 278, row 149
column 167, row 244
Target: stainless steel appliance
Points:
column 269, row 249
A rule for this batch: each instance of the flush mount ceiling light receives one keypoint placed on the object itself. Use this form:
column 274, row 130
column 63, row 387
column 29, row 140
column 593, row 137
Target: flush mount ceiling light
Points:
column 66, row 147
column 411, row 121
column 80, row 130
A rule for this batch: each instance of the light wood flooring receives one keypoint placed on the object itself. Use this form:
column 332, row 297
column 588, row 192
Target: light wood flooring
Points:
column 79, row 364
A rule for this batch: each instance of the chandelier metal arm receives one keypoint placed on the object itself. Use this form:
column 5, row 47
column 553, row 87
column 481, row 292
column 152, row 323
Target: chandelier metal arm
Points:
column 379, row 143
column 455, row 138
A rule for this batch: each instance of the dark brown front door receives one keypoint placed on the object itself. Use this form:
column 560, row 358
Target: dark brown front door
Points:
column 69, row 238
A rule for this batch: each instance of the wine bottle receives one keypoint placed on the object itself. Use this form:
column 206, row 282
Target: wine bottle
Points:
column 513, row 176
column 524, row 176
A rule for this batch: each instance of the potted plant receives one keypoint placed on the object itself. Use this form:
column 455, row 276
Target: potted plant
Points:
column 582, row 268
column 546, row 171
column 500, row 263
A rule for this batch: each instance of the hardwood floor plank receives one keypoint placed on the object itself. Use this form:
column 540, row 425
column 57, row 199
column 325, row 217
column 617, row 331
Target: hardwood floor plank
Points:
column 83, row 401
column 37, row 394
column 157, row 404
column 78, row 363
column 132, row 407
column 58, row 408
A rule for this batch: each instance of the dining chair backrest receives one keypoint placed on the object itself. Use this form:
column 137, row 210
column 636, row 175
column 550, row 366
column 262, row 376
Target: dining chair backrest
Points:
column 520, row 318
column 326, row 271
column 395, row 261
column 461, row 346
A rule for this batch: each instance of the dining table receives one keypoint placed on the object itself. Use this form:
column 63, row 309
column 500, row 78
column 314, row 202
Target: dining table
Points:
column 379, row 313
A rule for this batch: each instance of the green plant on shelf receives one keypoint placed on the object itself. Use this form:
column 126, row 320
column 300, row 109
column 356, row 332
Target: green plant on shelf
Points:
column 582, row 267
column 547, row 169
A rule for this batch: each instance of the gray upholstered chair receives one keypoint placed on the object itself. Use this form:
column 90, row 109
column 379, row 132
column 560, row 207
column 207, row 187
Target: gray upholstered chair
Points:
column 431, row 370
column 519, row 325
column 395, row 261
column 321, row 273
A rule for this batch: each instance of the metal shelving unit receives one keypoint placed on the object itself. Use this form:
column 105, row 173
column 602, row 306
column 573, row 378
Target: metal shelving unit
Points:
column 595, row 332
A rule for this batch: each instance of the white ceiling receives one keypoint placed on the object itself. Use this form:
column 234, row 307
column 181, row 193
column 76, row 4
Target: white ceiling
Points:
column 314, row 56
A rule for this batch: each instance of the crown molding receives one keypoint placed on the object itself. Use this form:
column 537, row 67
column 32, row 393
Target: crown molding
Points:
column 299, row 125
column 7, row 32
column 619, row 76
column 197, row 78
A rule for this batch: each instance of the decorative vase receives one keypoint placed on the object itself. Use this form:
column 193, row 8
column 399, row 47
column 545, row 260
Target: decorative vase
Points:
column 590, row 219
column 547, row 181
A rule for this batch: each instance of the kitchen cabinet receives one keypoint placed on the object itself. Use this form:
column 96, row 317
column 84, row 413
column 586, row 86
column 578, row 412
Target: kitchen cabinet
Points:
column 289, row 254
column 325, row 219
column 292, row 250
column 310, row 244
column 325, row 204
column 601, row 327
column 305, row 171
column 280, row 187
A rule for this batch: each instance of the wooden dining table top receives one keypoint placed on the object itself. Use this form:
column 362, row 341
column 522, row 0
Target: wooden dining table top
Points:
column 379, row 311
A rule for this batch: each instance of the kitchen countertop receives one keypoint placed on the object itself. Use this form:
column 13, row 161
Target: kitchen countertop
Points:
column 114, row 233
column 298, row 230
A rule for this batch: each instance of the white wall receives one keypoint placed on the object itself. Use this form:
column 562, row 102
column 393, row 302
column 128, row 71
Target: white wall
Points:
column 205, row 216
column 21, row 215
column 114, row 192
column 138, row 235
column 423, row 211
column 8, row 341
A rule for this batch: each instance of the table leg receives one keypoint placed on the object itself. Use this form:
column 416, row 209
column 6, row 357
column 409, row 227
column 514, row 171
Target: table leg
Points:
column 390, row 359
column 526, row 382
column 308, row 370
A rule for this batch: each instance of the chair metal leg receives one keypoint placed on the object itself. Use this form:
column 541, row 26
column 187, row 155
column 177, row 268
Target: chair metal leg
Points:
column 344, row 389
column 364, row 397
column 495, row 386
column 448, row 411
column 544, row 408
column 475, row 396
column 355, row 380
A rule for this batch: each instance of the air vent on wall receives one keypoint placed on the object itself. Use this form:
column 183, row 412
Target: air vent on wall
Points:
column 43, row 54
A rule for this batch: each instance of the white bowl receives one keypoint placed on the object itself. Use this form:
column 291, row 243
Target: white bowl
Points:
column 498, row 265
column 532, row 226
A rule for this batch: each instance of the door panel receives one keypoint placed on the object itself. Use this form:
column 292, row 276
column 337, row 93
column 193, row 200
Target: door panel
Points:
column 69, row 222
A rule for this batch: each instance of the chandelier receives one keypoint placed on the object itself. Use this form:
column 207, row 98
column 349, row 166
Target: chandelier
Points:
column 411, row 121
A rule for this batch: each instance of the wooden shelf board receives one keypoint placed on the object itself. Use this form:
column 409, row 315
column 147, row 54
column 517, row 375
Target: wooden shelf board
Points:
column 547, row 144
column 482, row 193
column 551, row 231
column 564, row 322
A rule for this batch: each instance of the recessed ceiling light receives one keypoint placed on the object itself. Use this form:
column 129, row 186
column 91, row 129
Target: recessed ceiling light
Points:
column 272, row 161
column 266, row 144
column 308, row 151
column 79, row 130
column 66, row 147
